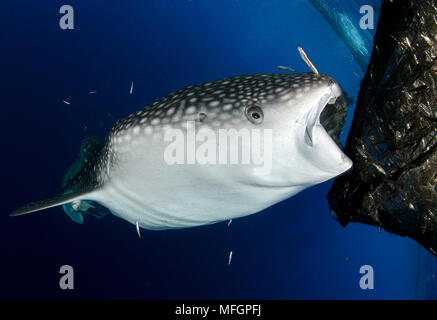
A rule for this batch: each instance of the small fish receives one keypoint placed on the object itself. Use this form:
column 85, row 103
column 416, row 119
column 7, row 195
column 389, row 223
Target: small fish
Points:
column 307, row 60
column 379, row 168
column 230, row 258
column 138, row 229
column 131, row 87
column 229, row 223
column 283, row 68
column 92, row 92
column 356, row 74
column 66, row 102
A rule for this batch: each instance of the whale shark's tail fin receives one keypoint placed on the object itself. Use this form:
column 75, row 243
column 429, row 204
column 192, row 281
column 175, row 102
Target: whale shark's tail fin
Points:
column 52, row 202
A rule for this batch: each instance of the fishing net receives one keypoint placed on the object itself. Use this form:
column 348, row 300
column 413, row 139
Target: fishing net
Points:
column 393, row 138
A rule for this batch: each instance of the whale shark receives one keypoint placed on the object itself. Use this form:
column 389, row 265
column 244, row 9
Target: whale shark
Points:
column 149, row 170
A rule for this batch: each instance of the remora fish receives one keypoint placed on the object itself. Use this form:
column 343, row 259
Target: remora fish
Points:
column 130, row 176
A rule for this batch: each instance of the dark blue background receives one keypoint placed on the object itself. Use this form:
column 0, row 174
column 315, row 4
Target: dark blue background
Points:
column 292, row 250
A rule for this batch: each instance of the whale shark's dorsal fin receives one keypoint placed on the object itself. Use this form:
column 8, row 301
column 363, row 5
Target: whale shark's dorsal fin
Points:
column 52, row 202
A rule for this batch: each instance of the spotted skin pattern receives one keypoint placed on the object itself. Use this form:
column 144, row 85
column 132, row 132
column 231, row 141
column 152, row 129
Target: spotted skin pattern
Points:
column 217, row 104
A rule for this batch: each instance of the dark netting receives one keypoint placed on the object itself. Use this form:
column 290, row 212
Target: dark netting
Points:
column 393, row 141
column 333, row 118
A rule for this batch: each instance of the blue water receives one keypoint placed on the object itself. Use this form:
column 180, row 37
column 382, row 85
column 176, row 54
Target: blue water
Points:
column 294, row 249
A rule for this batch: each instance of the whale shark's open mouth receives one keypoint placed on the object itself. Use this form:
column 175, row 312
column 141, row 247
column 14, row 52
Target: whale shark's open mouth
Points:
column 313, row 118
column 329, row 115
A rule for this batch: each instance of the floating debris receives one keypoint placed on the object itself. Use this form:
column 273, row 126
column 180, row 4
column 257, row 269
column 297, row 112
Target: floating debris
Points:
column 92, row 92
column 66, row 102
column 356, row 74
column 307, row 60
column 109, row 115
column 138, row 229
column 131, row 87
column 283, row 68
column 229, row 223
column 348, row 259
column 230, row 258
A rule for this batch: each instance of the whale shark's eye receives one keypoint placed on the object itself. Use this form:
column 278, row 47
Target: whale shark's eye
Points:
column 255, row 114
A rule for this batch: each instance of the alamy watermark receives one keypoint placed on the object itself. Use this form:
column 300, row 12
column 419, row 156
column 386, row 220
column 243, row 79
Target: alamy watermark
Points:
column 367, row 21
column 367, row 280
column 67, row 280
column 222, row 147
column 67, row 20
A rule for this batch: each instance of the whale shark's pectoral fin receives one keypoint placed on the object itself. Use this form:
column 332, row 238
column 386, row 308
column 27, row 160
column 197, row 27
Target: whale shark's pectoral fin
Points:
column 53, row 202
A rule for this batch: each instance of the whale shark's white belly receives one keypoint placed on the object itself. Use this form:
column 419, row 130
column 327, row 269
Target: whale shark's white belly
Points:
column 144, row 189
